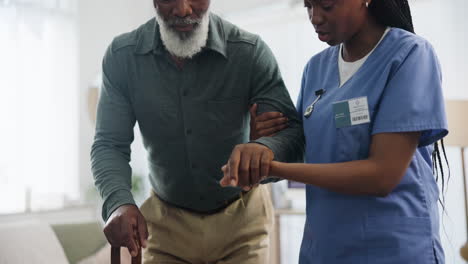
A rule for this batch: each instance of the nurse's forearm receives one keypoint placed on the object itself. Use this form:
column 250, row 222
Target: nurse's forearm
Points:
column 354, row 178
column 390, row 156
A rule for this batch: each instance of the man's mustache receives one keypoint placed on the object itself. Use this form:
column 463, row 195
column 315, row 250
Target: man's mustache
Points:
column 182, row 21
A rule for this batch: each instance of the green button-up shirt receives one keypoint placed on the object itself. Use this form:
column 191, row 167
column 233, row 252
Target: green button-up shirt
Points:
column 190, row 118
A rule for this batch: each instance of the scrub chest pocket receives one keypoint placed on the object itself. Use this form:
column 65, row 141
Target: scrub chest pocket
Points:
column 353, row 129
column 353, row 142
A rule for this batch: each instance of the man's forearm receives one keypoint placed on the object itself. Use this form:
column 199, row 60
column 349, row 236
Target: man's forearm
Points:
column 112, row 175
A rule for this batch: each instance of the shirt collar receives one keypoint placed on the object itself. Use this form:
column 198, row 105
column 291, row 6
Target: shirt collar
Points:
column 216, row 36
column 146, row 40
column 150, row 40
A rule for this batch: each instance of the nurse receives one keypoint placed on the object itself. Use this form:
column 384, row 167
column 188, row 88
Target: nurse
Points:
column 373, row 110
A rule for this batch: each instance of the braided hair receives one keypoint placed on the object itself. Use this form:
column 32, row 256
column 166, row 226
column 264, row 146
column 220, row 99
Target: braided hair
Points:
column 397, row 13
column 392, row 13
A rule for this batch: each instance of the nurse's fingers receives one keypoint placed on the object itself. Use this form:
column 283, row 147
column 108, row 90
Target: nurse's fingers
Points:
column 255, row 168
column 244, row 169
column 253, row 123
column 272, row 131
column 262, row 125
column 233, row 166
column 269, row 116
column 225, row 181
column 253, row 112
column 265, row 164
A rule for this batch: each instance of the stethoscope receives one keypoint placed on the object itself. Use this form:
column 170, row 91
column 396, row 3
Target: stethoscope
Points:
column 310, row 109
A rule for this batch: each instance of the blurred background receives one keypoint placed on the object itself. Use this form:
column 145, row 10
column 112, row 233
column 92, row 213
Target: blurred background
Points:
column 50, row 63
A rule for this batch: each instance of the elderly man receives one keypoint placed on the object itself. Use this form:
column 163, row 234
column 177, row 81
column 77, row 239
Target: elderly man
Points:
column 188, row 77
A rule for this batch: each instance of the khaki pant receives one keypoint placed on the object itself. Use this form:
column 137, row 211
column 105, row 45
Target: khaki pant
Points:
column 237, row 234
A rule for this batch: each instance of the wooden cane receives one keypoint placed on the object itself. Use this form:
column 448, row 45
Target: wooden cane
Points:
column 115, row 256
column 115, row 251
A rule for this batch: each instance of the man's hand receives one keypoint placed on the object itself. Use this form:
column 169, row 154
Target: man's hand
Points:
column 248, row 165
column 266, row 124
column 126, row 227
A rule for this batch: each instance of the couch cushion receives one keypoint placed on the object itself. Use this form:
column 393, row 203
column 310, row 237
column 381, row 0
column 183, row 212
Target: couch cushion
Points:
column 80, row 240
column 30, row 242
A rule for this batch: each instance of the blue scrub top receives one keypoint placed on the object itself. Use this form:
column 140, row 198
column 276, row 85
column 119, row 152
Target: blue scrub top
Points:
column 402, row 82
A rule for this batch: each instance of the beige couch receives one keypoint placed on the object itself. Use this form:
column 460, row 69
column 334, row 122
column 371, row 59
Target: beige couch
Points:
column 36, row 242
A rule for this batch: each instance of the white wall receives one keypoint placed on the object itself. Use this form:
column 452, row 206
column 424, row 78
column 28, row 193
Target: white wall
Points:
column 444, row 24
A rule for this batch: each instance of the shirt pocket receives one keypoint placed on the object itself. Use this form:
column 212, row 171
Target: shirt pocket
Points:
column 399, row 239
column 159, row 117
column 226, row 117
column 353, row 142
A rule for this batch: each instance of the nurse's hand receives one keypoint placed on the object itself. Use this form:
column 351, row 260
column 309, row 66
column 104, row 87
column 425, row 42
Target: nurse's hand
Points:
column 248, row 165
column 266, row 124
column 126, row 227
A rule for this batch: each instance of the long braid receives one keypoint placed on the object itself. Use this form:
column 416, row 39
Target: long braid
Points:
column 438, row 159
column 392, row 13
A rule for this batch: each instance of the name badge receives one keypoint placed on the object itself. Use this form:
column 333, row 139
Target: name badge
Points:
column 351, row 112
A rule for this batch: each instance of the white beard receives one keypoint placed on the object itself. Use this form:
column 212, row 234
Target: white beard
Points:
column 184, row 45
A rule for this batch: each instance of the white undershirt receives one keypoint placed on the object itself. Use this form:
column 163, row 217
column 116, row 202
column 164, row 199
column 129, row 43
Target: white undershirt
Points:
column 348, row 69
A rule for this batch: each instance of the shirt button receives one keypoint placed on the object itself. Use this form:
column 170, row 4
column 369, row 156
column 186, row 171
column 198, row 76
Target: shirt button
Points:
column 189, row 131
